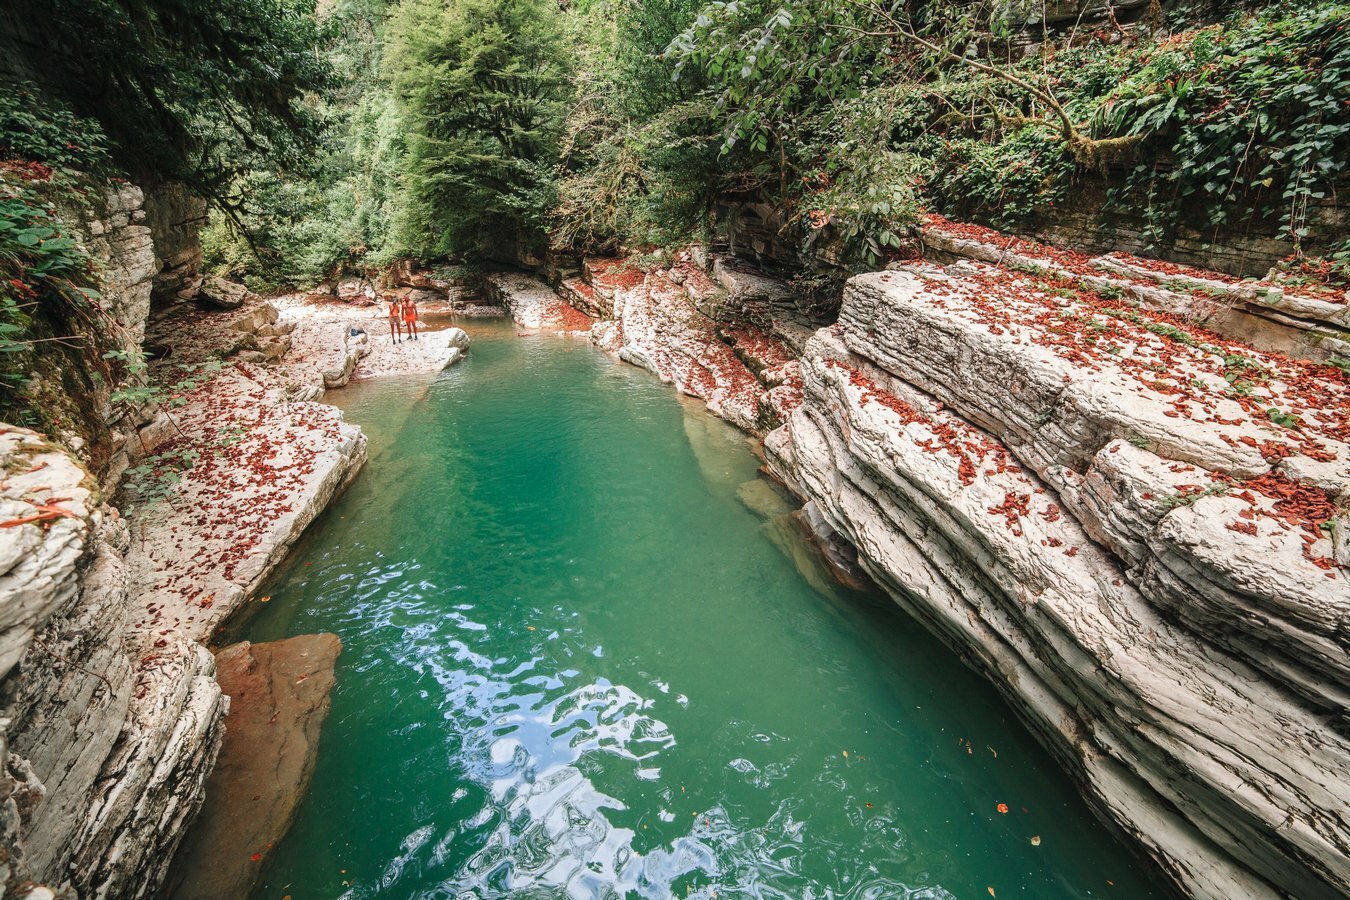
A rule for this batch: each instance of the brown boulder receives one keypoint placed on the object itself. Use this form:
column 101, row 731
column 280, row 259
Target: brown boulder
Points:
column 279, row 698
column 223, row 294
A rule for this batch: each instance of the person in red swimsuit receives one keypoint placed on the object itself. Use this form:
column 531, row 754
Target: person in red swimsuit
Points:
column 410, row 317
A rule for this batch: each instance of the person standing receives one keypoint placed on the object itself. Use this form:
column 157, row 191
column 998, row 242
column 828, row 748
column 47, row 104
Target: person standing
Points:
column 410, row 317
column 395, row 320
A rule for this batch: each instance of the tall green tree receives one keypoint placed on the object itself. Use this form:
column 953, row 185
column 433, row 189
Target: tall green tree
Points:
column 483, row 86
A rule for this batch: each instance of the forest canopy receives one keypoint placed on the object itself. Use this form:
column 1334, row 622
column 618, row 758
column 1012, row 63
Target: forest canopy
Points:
column 508, row 128
column 479, row 129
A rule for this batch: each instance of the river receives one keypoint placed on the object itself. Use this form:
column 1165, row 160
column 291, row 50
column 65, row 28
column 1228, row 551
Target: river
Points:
column 588, row 654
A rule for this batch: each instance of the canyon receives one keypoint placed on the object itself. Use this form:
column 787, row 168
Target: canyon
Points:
column 1117, row 487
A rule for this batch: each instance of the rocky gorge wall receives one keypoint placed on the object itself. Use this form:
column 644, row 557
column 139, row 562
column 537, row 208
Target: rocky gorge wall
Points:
column 111, row 716
column 1122, row 498
column 1119, row 490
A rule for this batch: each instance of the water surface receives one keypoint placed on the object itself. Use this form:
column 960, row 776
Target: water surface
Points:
column 588, row 655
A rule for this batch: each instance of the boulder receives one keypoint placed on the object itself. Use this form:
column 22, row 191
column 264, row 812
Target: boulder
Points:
column 221, row 294
column 279, row 697
column 355, row 290
column 457, row 338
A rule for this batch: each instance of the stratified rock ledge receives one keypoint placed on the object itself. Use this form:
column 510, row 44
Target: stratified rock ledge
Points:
column 1068, row 489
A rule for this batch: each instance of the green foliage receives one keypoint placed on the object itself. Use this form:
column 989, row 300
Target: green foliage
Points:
column 51, row 323
column 647, row 184
column 482, row 86
column 39, row 265
column 338, row 212
column 38, row 128
column 1005, row 182
column 1190, row 498
column 1251, row 115
column 639, row 162
column 469, row 127
column 855, row 190
column 193, row 90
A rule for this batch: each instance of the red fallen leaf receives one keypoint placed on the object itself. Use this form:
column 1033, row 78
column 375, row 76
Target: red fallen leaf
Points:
column 1002, row 808
column 255, row 857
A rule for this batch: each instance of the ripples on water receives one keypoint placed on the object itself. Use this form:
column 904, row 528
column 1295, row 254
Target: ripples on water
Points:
column 576, row 664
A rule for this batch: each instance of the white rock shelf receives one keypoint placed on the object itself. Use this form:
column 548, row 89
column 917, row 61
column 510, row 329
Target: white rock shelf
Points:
column 1268, row 315
column 1059, row 511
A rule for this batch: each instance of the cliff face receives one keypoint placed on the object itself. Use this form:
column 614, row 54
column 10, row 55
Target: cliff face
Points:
column 98, row 781
column 70, row 381
column 110, row 714
column 1131, row 552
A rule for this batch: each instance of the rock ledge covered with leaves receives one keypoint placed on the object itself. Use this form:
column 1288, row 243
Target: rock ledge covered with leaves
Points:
column 1133, row 526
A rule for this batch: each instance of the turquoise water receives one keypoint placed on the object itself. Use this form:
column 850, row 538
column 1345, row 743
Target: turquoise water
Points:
column 587, row 655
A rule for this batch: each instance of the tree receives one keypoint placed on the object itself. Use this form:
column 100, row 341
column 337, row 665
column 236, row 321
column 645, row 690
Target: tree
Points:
column 482, row 85
column 187, row 90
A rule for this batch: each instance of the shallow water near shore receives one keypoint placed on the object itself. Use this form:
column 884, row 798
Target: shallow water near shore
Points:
column 588, row 654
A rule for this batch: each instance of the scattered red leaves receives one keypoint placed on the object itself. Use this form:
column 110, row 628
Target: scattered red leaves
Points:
column 1179, row 364
column 615, row 274
column 1012, row 509
column 1296, row 506
column 567, row 317
column 26, row 169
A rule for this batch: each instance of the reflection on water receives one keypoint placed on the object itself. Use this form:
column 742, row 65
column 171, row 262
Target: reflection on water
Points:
column 588, row 654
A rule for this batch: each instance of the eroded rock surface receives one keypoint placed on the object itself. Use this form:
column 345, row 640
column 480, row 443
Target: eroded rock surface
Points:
column 533, row 305
column 673, row 322
column 100, row 771
column 1069, row 489
column 1272, row 315
column 279, row 695
column 112, row 713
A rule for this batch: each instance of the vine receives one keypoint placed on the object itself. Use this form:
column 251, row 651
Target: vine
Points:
column 1249, row 116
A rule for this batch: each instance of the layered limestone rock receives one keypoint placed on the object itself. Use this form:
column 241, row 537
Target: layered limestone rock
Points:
column 115, row 235
column 97, row 780
column 1267, row 314
column 71, row 383
column 666, row 321
column 175, row 218
column 533, row 305
column 112, row 716
column 1073, row 491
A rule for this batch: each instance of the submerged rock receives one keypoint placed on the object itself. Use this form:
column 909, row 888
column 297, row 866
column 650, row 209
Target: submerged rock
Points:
column 279, row 696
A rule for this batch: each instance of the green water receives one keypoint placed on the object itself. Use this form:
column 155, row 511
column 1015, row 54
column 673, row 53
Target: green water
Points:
column 586, row 656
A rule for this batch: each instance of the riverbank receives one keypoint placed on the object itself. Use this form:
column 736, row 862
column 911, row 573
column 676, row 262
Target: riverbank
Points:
column 1132, row 523
column 115, row 714
column 603, row 659
column 261, row 458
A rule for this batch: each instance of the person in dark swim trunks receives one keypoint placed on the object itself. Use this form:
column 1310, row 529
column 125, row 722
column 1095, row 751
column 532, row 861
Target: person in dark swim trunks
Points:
column 395, row 320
